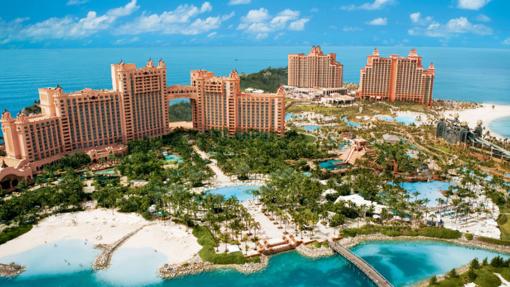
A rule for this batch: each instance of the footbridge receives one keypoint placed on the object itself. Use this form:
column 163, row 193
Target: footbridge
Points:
column 361, row 264
column 180, row 92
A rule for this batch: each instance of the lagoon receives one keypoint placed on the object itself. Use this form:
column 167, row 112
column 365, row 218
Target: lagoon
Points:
column 501, row 126
column 402, row 262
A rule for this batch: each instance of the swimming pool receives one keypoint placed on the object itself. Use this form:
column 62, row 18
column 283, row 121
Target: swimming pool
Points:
column 430, row 190
column 331, row 164
column 241, row 192
column 311, row 128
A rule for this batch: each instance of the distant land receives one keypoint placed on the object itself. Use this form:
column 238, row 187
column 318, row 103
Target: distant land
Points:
column 268, row 79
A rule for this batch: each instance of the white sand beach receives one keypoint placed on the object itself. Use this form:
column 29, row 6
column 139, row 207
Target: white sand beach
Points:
column 107, row 226
column 486, row 114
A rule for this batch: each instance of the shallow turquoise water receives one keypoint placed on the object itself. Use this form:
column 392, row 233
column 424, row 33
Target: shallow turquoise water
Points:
column 403, row 263
column 331, row 164
column 430, row 190
column 241, row 192
column 501, row 126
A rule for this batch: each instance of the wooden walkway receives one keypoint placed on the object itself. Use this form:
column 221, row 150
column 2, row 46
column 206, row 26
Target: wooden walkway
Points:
column 361, row 264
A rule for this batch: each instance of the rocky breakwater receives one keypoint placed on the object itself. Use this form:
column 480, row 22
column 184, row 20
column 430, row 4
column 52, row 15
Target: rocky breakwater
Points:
column 196, row 265
column 314, row 252
column 11, row 270
column 103, row 260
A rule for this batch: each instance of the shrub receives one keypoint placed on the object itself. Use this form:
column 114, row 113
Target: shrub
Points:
column 207, row 253
column 13, row 232
column 433, row 280
column 433, row 232
column 494, row 241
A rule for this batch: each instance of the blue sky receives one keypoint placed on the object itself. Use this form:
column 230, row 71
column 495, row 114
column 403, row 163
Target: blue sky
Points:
column 142, row 23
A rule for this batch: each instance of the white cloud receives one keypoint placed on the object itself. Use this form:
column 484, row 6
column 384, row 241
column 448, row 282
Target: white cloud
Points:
column 415, row 17
column 76, row 2
column 351, row 29
column 260, row 23
column 455, row 26
column 183, row 20
column 483, row 18
column 472, row 4
column 298, row 25
column 67, row 27
column 506, row 41
column 375, row 5
column 378, row 22
column 239, row 2
column 124, row 41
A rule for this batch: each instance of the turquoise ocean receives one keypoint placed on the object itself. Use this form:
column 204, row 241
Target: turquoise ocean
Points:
column 467, row 74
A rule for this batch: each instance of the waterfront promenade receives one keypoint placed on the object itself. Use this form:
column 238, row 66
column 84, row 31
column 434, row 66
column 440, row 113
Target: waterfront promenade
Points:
column 361, row 264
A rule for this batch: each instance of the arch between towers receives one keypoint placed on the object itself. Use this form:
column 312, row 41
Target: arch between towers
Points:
column 181, row 92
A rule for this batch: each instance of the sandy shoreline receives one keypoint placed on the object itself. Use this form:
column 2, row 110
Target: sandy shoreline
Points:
column 102, row 226
column 486, row 114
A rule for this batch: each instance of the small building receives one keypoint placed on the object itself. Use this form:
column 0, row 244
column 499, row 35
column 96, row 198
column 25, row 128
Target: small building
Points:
column 337, row 100
column 359, row 201
column 392, row 139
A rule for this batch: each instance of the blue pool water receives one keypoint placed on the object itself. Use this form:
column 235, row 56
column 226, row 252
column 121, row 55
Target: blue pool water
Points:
column 405, row 263
column 288, row 116
column 501, row 126
column 385, row 118
column 402, row 262
column 405, row 120
column 331, row 164
column 109, row 171
column 351, row 123
column 173, row 158
column 311, row 128
column 241, row 192
column 430, row 190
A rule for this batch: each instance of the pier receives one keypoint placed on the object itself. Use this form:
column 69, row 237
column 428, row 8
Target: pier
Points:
column 361, row 264
column 103, row 260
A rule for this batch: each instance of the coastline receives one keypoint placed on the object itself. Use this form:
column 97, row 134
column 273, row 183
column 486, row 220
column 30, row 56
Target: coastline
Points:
column 352, row 242
column 103, row 227
column 486, row 114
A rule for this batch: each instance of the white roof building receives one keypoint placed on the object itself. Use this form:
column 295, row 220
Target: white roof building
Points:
column 358, row 200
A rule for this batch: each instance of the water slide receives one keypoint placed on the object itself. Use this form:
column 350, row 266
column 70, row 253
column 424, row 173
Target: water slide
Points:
column 494, row 147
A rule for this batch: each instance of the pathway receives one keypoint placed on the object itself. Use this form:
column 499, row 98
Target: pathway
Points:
column 221, row 178
column 361, row 264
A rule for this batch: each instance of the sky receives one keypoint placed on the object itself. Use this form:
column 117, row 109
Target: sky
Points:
column 160, row 23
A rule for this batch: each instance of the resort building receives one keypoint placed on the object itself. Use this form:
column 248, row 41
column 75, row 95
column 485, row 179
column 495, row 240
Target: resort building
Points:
column 102, row 122
column 401, row 79
column 220, row 104
column 315, row 70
